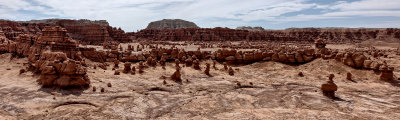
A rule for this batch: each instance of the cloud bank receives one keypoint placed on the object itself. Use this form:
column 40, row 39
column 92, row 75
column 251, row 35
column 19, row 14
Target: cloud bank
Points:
column 133, row 15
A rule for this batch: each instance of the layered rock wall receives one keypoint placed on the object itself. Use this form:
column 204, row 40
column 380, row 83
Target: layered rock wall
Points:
column 84, row 31
column 333, row 35
column 51, row 55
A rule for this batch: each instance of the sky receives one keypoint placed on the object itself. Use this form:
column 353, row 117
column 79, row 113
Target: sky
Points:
column 133, row 15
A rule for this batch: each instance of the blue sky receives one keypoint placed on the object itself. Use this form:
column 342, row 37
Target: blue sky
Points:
column 132, row 15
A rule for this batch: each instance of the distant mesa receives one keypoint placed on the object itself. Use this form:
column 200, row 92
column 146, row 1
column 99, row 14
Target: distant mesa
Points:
column 171, row 24
column 249, row 28
column 59, row 21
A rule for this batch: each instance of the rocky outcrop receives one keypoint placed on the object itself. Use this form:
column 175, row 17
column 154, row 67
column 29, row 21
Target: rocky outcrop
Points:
column 84, row 31
column 332, row 35
column 57, row 70
column 50, row 56
column 92, row 32
column 171, row 24
column 13, row 29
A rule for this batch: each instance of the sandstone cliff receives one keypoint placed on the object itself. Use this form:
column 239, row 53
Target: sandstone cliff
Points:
column 84, row 31
column 333, row 35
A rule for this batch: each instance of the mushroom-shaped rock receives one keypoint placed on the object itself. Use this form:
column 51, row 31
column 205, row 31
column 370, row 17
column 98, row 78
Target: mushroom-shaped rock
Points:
column 329, row 88
column 177, row 62
column 140, row 67
column 230, row 71
column 127, row 68
column 153, row 62
column 189, row 61
column 349, row 76
column 196, row 64
column 207, row 71
column 214, row 64
column 225, row 66
column 116, row 62
column 177, row 75
column 148, row 61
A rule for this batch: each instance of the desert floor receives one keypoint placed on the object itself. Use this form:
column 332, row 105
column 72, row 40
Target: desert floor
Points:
column 277, row 93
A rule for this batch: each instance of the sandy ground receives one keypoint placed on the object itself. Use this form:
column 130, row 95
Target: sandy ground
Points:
column 277, row 93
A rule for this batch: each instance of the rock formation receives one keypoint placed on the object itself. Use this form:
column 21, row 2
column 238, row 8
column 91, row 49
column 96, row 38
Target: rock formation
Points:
column 386, row 73
column 196, row 64
column 349, row 76
column 84, row 31
column 207, row 71
column 141, row 67
column 171, row 24
column 225, row 66
column 177, row 75
column 57, row 39
column 116, row 72
column 133, row 70
column 332, row 35
column 230, row 71
column 329, row 88
column 57, row 70
column 127, row 68
column 300, row 74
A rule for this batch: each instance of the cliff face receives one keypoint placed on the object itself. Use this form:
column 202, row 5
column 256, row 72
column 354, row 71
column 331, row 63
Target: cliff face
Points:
column 336, row 35
column 171, row 24
column 12, row 29
column 84, row 31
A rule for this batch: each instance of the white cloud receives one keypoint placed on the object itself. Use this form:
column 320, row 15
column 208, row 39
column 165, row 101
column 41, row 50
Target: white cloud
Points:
column 136, row 14
column 368, row 5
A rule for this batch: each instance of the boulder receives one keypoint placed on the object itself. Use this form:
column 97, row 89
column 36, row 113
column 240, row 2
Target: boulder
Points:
column 347, row 60
column 299, row 57
column 358, row 60
column 282, row 57
column 375, row 65
column 248, row 57
column 291, row 58
column 275, row 57
column 258, row 56
column 367, row 64
column 239, row 58
column 386, row 73
column 230, row 59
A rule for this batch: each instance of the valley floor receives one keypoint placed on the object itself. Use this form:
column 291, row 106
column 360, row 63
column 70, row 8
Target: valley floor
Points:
column 277, row 93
